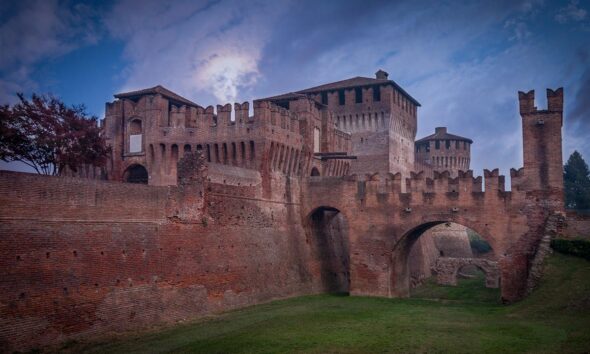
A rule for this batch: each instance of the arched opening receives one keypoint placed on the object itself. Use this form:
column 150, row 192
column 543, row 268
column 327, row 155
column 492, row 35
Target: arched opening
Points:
column 421, row 250
column 315, row 172
column 136, row 174
column 327, row 235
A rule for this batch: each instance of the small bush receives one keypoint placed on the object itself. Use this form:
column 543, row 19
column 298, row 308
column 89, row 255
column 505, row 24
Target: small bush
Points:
column 477, row 243
column 579, row 248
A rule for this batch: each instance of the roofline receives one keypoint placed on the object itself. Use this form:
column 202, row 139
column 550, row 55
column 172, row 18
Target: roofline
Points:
column 386, row 82
column 455, row 137
column 161, row 90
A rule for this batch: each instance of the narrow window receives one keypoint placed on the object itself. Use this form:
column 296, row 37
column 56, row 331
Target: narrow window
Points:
column 208, row 153
column 224, row 151
column 376, row 94
column 325, row 97
column 358, row 95
column 252, row 152
column 187, row 148
column 216, row 150
column 233, row 152
column 151, row 153
column 437, row 144
column 174, row 152
column 457, row 144
column 448, row 144
column 341, row 97
column 243, row 150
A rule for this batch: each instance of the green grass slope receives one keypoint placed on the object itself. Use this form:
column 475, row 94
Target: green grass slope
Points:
column 464, row 319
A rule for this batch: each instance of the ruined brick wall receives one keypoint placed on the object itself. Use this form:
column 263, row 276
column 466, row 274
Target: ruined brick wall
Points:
column 80, row 258
column 445, row 240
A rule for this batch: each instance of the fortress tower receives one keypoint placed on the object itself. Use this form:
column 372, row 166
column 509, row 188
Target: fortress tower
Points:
column 380, row 116
column 442, row 151
column 437, row 153
column 542, row 151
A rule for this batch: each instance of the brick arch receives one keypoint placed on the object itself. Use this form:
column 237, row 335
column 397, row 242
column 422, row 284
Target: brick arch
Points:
column 136, row 173
column 447, row 269
column 399, row 268
column 327, row 235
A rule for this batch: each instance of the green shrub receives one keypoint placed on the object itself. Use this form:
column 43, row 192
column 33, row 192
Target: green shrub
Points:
column 477, row 243
column 579, row 248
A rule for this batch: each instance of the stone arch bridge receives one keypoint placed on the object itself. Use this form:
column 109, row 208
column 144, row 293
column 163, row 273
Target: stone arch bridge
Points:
column 384, row 222
column 386, row 214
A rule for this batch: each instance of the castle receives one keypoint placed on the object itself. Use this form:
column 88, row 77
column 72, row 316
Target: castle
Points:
column 316, row 192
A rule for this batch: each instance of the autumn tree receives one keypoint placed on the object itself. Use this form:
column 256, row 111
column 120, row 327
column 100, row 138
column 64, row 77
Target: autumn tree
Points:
column 576, row 178
column 49, row 136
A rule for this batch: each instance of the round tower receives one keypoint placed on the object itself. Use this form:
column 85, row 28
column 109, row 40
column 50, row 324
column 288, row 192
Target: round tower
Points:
column 442, row 151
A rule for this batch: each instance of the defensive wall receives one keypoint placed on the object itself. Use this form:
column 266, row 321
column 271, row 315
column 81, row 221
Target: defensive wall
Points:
column 81, row 258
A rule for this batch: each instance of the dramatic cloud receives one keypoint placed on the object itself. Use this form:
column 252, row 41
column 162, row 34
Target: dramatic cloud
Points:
column 464, row 62
column 571, row 13
column 195, row 48
column 37, row 30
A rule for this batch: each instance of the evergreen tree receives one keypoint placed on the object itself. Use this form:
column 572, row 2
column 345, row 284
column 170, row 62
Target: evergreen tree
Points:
column 576, row 178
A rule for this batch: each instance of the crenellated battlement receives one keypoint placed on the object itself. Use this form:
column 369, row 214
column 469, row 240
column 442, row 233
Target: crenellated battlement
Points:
column 554, row 101
column 418, row 183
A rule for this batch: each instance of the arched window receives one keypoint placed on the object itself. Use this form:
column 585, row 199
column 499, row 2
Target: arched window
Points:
column 315, row 172
column 136, row 174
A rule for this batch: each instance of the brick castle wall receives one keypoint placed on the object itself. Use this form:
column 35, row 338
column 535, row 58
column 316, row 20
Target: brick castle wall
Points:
column 81, row 258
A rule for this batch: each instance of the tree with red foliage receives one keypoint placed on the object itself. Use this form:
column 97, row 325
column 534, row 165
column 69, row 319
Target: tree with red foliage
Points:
column 49, row 136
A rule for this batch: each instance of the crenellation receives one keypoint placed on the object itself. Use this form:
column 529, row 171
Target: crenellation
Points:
column 555, row 100
column 493, row 180
column 527, row 102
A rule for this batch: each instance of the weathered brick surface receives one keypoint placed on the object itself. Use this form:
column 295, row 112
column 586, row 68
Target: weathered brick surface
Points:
column 80, row 257
column 447, row 269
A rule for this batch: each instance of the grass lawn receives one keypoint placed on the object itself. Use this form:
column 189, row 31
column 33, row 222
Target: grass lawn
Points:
column 463, row 319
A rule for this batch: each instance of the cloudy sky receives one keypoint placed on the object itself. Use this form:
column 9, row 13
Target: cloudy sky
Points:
column 464, row 61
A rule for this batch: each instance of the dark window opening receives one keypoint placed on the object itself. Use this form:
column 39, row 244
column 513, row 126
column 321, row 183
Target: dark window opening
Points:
column 448, row 144
column 252, row 152
column 174, row 152
column 341, row 97
column 187, row 148
column 233, row 152
column 243, row 148
column 437, row 144
column 376, row 94
column 315, row 172
column 324, row 97
column 224, row 150
column 358, row 95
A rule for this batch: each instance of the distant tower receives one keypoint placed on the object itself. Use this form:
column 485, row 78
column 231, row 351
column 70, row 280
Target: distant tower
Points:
column 541, row 130
column 442, row 151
